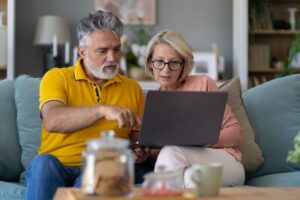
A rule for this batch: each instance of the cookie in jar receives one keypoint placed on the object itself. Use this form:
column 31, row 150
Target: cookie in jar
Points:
column 111, row 172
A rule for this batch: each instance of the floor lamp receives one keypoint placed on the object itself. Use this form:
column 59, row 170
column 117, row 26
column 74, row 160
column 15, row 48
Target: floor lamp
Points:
column 51, row 32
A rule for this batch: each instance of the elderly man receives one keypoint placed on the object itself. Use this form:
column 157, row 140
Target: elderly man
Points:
column 79, row 102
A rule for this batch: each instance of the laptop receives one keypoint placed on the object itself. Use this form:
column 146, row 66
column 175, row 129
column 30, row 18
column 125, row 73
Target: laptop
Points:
column 182, row 118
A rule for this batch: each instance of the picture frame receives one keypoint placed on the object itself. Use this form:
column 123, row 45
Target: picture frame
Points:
column 205, row 64
column 131, row 12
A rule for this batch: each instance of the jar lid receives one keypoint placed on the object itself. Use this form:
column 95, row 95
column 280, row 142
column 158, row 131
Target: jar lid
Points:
column 161, row 183
column 108, row 140
column 162, row 174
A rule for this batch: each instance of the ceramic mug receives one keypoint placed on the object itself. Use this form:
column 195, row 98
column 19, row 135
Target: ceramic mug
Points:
column 207, row 178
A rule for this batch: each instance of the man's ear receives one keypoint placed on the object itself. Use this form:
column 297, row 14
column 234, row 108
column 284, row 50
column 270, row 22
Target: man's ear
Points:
column 81, row 51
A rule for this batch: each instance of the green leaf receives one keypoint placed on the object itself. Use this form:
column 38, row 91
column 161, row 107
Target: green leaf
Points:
column 294, row 156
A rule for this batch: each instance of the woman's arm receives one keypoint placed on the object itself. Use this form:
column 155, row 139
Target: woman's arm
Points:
column 231, row 134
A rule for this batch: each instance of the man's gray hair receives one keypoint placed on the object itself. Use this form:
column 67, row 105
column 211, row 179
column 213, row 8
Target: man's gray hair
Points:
column 98, row 21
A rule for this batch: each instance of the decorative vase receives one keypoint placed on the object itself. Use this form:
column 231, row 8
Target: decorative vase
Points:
column 292, row 12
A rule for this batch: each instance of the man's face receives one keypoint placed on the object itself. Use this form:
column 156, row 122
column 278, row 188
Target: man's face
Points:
column 101, row 54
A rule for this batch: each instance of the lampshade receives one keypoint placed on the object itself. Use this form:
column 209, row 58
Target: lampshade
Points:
column 48, row 27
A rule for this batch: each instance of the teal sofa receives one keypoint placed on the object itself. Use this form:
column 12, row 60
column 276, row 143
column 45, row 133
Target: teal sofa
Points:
column 273, row 109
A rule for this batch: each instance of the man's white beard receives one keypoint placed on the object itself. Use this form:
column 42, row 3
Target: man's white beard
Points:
column 104, row 75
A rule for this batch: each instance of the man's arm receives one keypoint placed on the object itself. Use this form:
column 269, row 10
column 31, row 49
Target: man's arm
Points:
column 60, row 118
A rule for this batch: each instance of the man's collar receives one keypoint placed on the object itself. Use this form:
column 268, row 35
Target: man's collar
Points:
column 79, row 71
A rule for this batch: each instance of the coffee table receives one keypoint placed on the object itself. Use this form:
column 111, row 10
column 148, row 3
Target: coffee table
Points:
column 243, row 193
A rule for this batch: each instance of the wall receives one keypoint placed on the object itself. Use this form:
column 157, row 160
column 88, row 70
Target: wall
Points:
column 201, row 21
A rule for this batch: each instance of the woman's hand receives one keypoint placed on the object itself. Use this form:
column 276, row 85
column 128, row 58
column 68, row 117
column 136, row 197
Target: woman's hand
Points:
column 141, row 154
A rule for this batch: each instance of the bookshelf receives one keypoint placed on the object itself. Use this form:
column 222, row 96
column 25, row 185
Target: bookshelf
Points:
column 270, row 41
column 275, row 32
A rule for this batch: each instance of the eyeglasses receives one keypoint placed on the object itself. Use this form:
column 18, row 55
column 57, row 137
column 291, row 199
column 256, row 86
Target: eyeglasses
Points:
column 173, row 65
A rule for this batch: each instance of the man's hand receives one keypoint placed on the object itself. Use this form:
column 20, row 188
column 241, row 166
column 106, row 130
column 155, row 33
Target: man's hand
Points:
column 141, row 154
column 125, row 117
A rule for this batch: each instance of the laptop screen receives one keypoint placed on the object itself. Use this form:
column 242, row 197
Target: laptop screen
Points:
column 182, row 118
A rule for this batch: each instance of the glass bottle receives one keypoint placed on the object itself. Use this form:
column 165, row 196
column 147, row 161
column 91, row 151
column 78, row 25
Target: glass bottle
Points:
column 108, row 166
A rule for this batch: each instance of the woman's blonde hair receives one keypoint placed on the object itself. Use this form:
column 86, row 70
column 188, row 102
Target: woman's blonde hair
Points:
column 175, row 40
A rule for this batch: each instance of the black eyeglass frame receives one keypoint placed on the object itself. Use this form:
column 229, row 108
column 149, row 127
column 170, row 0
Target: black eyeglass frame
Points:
column 168, row 63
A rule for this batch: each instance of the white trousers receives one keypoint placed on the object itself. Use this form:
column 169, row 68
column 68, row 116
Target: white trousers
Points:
column 181, row 158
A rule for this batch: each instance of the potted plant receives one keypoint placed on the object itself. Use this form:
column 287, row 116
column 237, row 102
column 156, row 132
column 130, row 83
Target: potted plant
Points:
column 294, row 50
column 134, row 49
column 257, row 11
column 294, row 156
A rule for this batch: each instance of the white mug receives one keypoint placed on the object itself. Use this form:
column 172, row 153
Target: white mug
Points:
column 207, row 178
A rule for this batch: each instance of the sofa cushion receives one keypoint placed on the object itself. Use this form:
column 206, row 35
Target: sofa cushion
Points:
column 11, row 191
column 28, row 116
column 10, row 151
column 252, row 156
column 288, row 179
column 274, row 111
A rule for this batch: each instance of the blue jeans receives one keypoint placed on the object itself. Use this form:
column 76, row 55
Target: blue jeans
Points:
column 45, row 174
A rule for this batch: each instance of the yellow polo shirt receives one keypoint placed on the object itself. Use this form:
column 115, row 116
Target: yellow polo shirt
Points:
column 71, row 86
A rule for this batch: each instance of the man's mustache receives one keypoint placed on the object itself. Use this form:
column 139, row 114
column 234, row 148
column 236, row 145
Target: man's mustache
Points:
column 110, row 64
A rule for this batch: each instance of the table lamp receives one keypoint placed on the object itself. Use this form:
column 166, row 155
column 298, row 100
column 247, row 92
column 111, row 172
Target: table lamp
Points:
column 52, row 31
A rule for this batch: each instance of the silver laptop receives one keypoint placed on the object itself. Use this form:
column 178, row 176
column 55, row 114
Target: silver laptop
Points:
column 182, row 118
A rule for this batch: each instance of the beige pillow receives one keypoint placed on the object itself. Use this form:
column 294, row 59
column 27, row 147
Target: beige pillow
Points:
column 252, row 155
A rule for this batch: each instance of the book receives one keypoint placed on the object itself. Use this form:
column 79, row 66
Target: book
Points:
column 259, row 56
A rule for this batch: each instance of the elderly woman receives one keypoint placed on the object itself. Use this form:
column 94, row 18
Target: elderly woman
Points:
column 170, row 60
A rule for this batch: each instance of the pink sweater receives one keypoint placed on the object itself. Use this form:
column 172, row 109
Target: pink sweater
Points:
column 231, row 134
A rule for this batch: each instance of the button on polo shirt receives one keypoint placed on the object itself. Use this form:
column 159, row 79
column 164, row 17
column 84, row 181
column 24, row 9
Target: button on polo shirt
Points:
column 71, row 86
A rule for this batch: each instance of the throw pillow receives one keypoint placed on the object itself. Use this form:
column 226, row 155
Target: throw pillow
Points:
column 28, row 116
column 10, row 152
column 252, row 155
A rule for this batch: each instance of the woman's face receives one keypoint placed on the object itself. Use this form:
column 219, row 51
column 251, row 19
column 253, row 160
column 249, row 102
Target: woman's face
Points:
column 167, row 66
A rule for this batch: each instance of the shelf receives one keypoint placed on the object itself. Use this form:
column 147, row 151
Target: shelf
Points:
column 284, row 1
column 264, row 70
column 269, row 70
column 261, row 75
column 275, row 32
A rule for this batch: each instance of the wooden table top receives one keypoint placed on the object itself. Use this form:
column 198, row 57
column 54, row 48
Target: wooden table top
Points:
column 246, row 193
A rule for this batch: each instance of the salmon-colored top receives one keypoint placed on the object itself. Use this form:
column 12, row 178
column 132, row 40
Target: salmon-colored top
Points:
column 231, row 134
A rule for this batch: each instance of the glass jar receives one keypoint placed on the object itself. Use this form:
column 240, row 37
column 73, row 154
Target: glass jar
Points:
column 161, row 183
column 107, row 166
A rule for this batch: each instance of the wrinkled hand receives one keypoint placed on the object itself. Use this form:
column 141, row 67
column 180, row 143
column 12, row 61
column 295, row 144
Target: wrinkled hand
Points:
column 125, row 117
column 141, row 154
